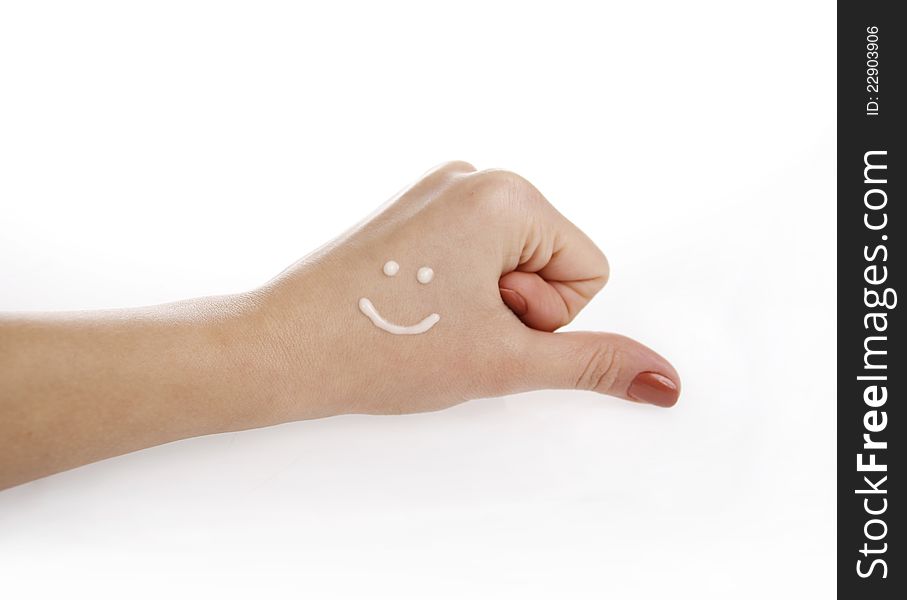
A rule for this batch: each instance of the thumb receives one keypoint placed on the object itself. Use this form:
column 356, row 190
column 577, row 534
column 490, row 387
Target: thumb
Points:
column 607, row 363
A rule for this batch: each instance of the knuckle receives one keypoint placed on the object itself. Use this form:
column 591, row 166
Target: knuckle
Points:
column 605, row 270
column 456, row 166
column 495, row 187
column 600, row 370
column 447, row 172
column 500, row 180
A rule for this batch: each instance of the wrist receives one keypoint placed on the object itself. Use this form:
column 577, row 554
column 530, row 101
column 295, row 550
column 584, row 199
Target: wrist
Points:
column 270, row 352
column 244, row 390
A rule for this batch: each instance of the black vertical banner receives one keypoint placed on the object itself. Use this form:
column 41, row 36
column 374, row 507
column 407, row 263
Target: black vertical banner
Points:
column 872, row 370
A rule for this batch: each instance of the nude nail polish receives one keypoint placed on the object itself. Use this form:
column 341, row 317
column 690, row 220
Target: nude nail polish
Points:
column 653, row 388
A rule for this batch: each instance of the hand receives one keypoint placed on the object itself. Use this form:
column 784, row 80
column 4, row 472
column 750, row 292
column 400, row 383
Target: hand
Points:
column 450, row 292
column 508, row 270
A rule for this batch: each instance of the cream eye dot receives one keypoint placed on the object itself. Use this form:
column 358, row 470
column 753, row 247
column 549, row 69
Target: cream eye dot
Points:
column 391, row 268
column 425, row 275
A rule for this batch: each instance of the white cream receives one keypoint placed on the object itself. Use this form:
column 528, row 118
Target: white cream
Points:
column 391, row 268
column 425, row 275
column 368, row 309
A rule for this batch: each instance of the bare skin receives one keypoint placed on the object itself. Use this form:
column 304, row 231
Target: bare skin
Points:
column 509, row 270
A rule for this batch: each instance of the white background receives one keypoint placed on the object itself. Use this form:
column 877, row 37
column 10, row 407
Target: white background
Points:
column 156, row 151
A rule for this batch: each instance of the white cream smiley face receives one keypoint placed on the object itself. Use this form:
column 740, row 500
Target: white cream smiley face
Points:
column 424, row 275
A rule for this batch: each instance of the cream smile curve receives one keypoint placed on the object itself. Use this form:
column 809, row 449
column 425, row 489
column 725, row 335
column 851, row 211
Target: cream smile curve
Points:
column 368, row 309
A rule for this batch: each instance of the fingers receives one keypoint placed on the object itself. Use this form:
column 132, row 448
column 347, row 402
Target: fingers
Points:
column 603, row 362
column 550, row 270
column 559, row 268
column 537, row 302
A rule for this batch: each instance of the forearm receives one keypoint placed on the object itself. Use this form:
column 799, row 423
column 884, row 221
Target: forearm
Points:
column 79, row 387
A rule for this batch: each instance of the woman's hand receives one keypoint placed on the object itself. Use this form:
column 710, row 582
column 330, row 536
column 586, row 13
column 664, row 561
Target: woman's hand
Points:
column 450, row 292
column 508, row 270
